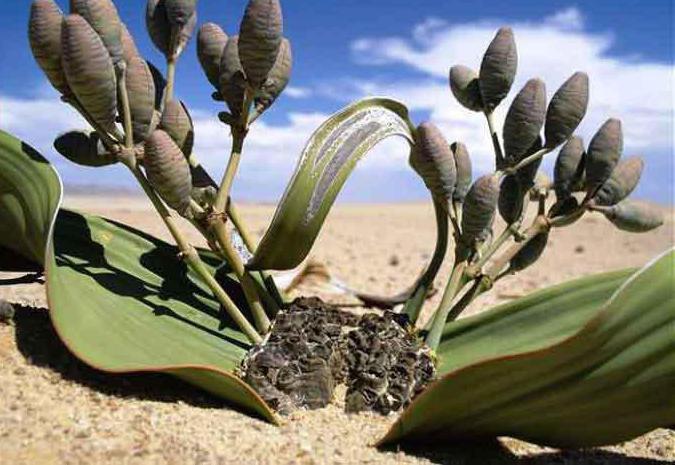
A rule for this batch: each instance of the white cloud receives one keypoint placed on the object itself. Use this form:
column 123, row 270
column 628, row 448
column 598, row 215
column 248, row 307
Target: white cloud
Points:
column 298, row 92
column 638, row 92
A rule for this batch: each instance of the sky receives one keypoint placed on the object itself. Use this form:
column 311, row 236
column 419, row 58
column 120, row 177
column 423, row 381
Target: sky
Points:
column 348, row 49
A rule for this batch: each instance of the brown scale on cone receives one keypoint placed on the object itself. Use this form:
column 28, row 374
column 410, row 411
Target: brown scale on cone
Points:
column 159, row 27
column 621, row 183
column 464, row 171
column 129, row 49
column 232, row 81
column 277, row 79
column 44, row 35
column 465, row 87
column 177, row 123
column 498, row 69
column 211, row 41
column 566, row 110
column 569, row 167
column 524, row 120
column 603, row 154
column 634, row 217
column 142, row 93
column 89, row 70
column 180, row 12
column 479, row 209
column 168, row 171
column 432, row 159
column 102, row 16
column 511, row 199
column 260, row 37
column 84, row 148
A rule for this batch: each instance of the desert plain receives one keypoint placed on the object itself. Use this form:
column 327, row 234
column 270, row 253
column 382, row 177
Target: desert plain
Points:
column 54, row 409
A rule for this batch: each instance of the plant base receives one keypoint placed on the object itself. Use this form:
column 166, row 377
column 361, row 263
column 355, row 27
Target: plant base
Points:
column 314, row 347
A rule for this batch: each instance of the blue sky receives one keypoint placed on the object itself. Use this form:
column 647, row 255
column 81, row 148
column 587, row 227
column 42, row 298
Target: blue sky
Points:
column 347, row 49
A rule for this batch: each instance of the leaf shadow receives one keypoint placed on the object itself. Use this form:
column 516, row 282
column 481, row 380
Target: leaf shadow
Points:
column 87, row 256
column 494, row 452
column 38, row 342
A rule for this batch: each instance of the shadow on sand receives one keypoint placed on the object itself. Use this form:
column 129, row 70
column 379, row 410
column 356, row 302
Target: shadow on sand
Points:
column 38, row 342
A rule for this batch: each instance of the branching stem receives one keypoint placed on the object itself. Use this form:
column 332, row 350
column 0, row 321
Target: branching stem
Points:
column 499, row 153
column 455, row 284
column 191, row 256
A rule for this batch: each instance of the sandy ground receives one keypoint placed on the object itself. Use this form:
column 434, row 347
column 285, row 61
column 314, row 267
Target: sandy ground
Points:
column 54, row 409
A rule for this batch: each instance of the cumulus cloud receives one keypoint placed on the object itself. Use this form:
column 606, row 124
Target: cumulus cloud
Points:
column 637, row 91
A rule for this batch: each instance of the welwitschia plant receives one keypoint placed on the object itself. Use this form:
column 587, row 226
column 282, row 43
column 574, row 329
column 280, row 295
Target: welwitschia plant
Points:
column 555, row 367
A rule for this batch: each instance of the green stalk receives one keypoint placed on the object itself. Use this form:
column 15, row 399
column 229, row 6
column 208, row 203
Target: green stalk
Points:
column 455, row 284
column 414, row 303
column 499, row 153
column 479, row 286
column 170, row 80
column 527, row 160
column 239, row 132
column 190, row 255
column 270, row 295
column 248, row 285
column 126, row 112
column 539, row 225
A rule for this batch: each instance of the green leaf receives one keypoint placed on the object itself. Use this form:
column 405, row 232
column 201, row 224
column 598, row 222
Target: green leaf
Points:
column 601, row 375
column 119, row 299
column 329, row 157
column 30, row 192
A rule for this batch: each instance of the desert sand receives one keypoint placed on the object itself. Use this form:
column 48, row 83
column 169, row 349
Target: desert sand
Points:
column 54, row 409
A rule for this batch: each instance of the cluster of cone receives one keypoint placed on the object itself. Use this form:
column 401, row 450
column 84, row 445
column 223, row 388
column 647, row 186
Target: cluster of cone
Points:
column 603, row 180
column 89, row 54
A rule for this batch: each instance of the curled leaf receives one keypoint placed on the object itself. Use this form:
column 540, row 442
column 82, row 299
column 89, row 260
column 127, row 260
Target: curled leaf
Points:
column 277, row 78
column 84, row 148
column 326, row 161
column 129, row 49
column 498, row 69
column 260, row 36
column 633, row 216
column 142, row 95
column 567, row 109
column 102, row 16
column 89, row 70
column 479, row 209
column 524, row 120
column 177, row 123
column 211, row 41
column 44, row 35
column 232, row 80
column 464, row 86
column 432, row 159
column 603, row 154
column 621, row 183
column 569, row 167
column 530, row 252
column 168, row 171
column 463, row 165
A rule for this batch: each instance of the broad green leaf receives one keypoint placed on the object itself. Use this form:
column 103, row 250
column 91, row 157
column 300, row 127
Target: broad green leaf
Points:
column 122, row 301
column 610, row 380
column 30, row 192
column 327, row 160
column 119, row 299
